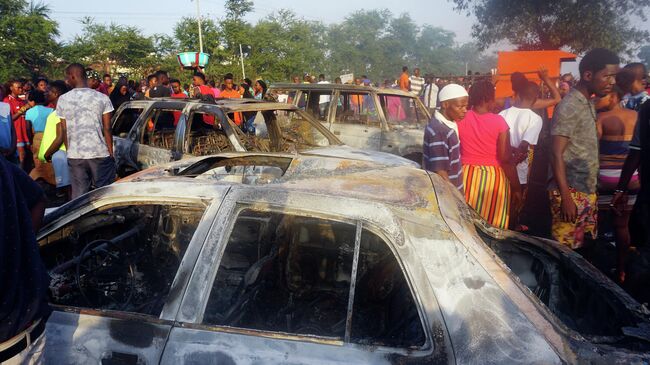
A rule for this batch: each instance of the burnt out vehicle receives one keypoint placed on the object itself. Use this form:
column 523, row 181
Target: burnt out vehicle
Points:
column 152, row 132
column 293, row 259
column 378, row 119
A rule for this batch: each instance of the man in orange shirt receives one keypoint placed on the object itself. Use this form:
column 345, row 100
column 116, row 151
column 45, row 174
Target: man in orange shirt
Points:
column 230, row 92
column 404, row 80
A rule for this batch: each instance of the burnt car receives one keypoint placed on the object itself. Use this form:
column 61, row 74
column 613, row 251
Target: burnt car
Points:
column 378, row 119
column 151, row 132
column 243, row 258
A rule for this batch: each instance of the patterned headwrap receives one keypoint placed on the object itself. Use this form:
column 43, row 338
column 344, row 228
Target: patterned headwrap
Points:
column 92, row 74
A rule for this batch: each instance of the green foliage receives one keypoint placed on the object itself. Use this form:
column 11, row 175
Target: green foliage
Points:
column 283, row 45
column 236, row 9
column 186, row 34
column 110, row 46
column 27, row 42
column 578, row 25
column 367, row 42
column 644, row 55
column 376, row 44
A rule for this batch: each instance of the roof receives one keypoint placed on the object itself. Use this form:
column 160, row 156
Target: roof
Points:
column 344, row 87
column 234, row 105
column 403, row 187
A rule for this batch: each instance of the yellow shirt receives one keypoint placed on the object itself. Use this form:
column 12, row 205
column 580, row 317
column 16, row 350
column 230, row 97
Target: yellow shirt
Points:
column 49, row 135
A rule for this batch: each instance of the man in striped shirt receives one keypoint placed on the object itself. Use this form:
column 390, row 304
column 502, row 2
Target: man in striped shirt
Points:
column 417, row 82
column 441, row 147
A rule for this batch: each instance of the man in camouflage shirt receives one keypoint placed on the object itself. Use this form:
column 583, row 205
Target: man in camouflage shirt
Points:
column 86, row 119
column 574, row 151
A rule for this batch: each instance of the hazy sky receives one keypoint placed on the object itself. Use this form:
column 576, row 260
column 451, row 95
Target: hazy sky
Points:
column 159, row 16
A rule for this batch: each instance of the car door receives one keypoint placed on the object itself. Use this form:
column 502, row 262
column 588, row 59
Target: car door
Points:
column 273, row 285
column 118, row 266
column 406, row 119
column 124, row 121
column 356, row 119
column 155, row 138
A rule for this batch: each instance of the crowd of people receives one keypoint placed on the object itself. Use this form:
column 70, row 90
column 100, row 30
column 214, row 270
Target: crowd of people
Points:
column 59, row 132
column 597, row 140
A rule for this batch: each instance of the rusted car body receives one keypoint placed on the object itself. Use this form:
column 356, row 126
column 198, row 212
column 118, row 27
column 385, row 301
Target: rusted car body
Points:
column 156, row 131
column 379, row 119
column 292, row 259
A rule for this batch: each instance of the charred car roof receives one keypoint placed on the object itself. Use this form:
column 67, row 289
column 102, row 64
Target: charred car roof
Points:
column 342, row 87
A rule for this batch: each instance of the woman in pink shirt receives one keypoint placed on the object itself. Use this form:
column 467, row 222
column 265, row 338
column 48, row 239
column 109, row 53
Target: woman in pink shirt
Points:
column 489, row 173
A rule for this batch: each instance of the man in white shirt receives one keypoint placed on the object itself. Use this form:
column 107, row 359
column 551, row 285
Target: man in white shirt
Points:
column 416, row 82
column 430, row 93
column 525, row 126
column 323, row 100
column 86, row 120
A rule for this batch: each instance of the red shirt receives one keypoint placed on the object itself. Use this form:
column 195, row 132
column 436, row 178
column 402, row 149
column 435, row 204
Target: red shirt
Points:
column 232, row 94
column 479, row 135
column 206, row 90
column 102, row 88
column 20, row 125
column 177, row 115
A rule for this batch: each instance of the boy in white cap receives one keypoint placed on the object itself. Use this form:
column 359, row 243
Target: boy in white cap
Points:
column 441, row 147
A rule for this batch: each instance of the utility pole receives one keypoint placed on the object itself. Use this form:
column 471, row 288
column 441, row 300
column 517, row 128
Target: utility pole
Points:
column 241, row 57
column 198, row 17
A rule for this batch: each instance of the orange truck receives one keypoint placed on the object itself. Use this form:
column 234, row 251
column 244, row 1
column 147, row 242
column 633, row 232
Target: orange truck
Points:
column 528, row 63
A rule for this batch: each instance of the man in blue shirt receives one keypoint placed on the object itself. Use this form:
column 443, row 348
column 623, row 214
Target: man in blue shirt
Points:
column 36, row 118
column 441, row 146
column 7, row 134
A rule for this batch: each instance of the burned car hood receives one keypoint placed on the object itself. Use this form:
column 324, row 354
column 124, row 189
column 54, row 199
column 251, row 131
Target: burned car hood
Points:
column 361, row 155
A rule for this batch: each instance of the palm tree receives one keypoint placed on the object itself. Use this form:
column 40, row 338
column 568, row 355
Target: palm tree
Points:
column 39, row 9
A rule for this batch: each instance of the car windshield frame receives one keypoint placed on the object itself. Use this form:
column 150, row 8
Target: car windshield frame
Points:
column 275, row 127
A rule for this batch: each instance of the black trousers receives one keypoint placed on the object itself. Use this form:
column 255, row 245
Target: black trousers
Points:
column 85, row 173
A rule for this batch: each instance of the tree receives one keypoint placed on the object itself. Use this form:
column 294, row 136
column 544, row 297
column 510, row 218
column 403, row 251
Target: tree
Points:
column 236, row 9
column 27, row 40
column 186, row 33
column 537, row 25
column 236, row 31
column 285, row 45
column 111, row 46
column 644, row 55
column 377, row 44
column 358, row 44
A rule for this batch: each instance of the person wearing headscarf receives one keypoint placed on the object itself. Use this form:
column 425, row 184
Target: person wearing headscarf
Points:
column 441, row 149
column 120, row 94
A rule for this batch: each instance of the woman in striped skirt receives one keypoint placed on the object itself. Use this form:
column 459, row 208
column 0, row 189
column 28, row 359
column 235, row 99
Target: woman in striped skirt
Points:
column 489, row 174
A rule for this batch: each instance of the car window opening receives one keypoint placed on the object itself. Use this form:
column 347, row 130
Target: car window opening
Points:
column 292, row 274
column 571, row 295
column 125, row 121
column 355, row 108
column 402, row 110
column 121, row 258
column 160, row 128
column 251, row 170
column 206, row 136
